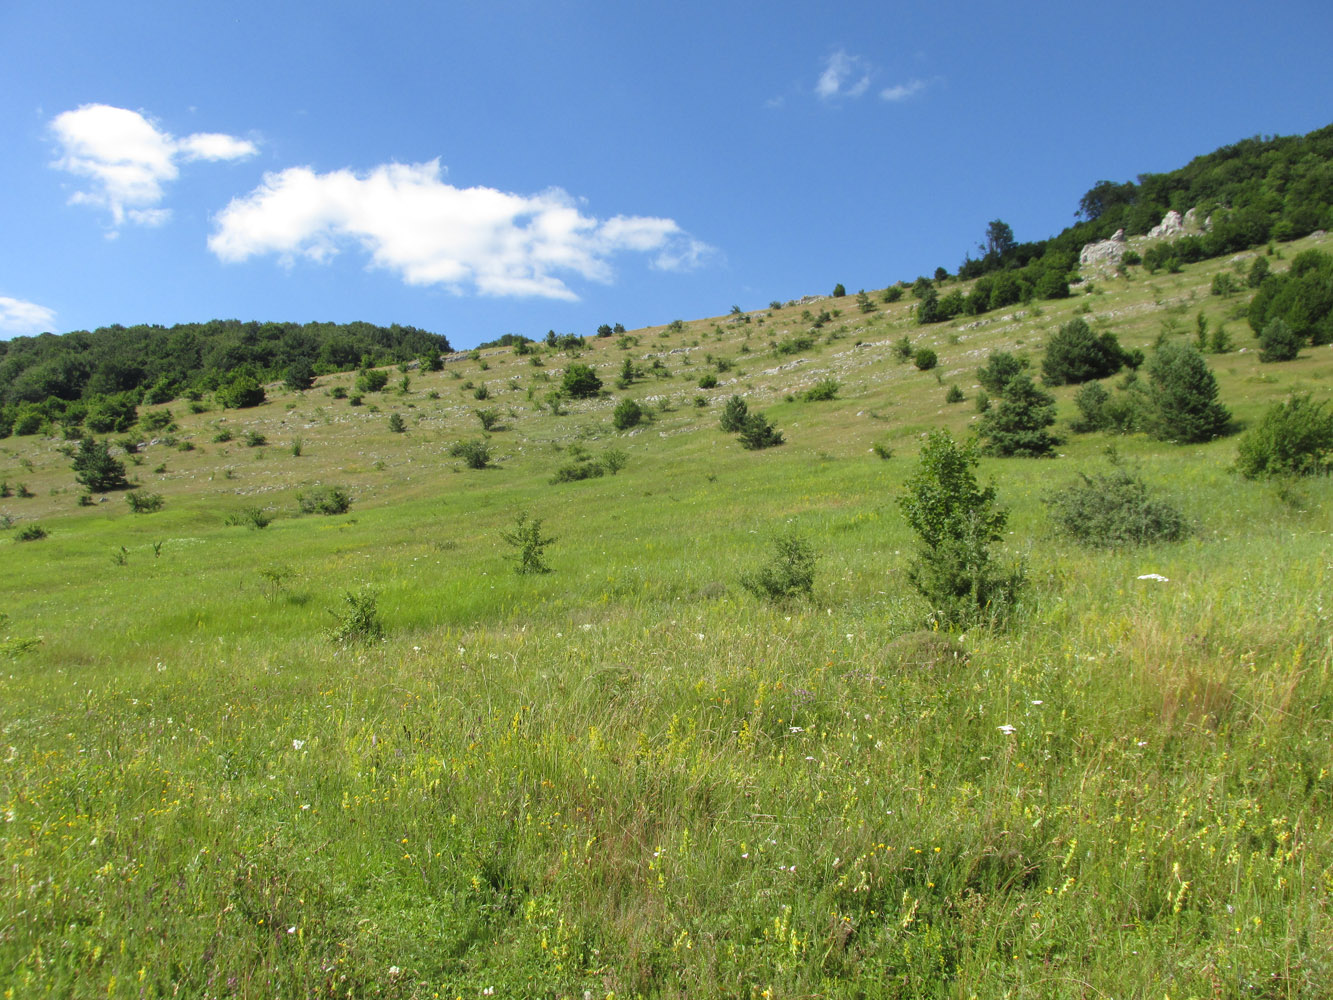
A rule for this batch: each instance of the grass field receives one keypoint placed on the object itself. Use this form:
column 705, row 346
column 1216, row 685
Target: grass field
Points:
column 629, row 776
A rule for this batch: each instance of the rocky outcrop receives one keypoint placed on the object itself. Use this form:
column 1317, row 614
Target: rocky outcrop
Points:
column 1106, row 251
column 1172, row 224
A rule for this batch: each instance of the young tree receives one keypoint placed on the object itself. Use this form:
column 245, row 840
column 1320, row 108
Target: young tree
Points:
column 580, row 381
column 1278, row 342
column 1000, row 367
column 999, row 241
column 96, row 469
column 1016, row 425
column 1183, row 397
column 300, row 375
column 1075, row 355
column 734, row 414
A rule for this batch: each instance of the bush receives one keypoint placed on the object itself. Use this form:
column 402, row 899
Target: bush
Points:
column 31, row 533
column 324, row 500
column 794, row 345
column 757, row 433
column 925, row 359
column 824, row 389
column 1294, row 438
column 1075, row 355
column 396, row 423
column 1017, row 424
column 708, row 381
column 1091, row 400
column 1183, row 397
column 360, row 620
column 1112, row 510
column 490, row 419
column 529, row 543
column 614, row 459
column 144, row 503
column 839, row 291
column 954, row 395
column 956, row 521
column 734, row 415
column 300, row 375
column 627, row 414
column 155, row 420
column 338, row 392
column 254, row 439
column 253, row 517
column 580, row 382
column 791, row 573
column 579, row 469
column 1278, row 342
column 241, row 392
column 372, row 380
column 999, row 368
column 476, row 454
column 96, row 469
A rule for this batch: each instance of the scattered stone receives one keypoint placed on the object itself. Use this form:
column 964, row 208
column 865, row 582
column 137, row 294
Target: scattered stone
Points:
column 1172, row 224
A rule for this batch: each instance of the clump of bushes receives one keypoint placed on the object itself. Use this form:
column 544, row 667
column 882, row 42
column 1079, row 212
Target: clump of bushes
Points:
column 1294, row 438
column 144, row 503
column 754, row 429
column 627, row 414
column 824, row 389
column 1114, row 509
column 1075, row 355
column 324, row 500
column 360, row 620
column 476, row 454
column 30, row 533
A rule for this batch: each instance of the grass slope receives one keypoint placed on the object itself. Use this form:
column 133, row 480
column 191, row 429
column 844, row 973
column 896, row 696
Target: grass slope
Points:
column 628, row 776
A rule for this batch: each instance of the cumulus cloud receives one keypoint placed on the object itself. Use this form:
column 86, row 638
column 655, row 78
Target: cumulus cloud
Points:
column 431, row 233
column 18, row 317
column 903, row 91
column 127, row 159
column 844, row 75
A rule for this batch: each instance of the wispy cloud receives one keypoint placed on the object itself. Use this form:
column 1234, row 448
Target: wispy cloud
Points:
column 18, row 317
column 903, row 91
column 431, row 233
column 127, row 159
column 845, row 75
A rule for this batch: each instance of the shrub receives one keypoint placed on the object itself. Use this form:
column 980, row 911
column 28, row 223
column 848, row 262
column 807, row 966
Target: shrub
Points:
column 338, row 392
column 96, row 469
column 481, row 392
column 839, row 291
column 530, row 544
column 155, row 420
column 241, row 392
column 627, row 414
column 1017, row 424
column 956, row 521
column 1294, row 438
column 734, row 415
column 1183, row 397
column 372, row 380
column 360, row 620
column 580, row 468
column 1278, row 342
column 144, row 503
column 1075, row 355
column 1112, row 510
column 324, row 500
column 300, row 375
column 254, row 439
column 614, row 459
column 999, row 368
column 954, row 395
column 396, row 423
column 794, row 345
column 31, row 533
column 925, row 359
column 892, row 294
column 757, row 433
column 490, row 419
column 253, row 517
column 822, row 390
column 790, row 573
column 111, row 414
column 708, row 381
column 476, row 454
column 580, row 382
column 1091, row 400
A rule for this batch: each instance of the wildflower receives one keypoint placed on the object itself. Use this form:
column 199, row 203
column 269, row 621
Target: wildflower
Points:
column 297, row 744
column 1154, row 576
column 1007, row 729
column 1037, row 702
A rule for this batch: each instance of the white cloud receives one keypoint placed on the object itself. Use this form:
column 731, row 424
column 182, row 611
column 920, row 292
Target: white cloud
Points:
column 128, row 159
column 431, row 233
column 18, row 317
column 903, row 91
column 844, row 75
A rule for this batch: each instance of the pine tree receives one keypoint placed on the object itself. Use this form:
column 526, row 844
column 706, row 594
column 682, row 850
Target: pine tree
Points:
column 1183, row 397
column 1016, row 425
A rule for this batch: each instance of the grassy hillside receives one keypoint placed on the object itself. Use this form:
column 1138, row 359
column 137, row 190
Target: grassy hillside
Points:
column 630, row 776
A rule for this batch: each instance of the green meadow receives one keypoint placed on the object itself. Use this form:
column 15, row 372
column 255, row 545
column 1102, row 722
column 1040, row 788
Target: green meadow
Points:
column 630, row 776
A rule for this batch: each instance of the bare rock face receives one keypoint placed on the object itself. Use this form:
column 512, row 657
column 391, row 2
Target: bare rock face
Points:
column 1106, row 251
column 1172, row 224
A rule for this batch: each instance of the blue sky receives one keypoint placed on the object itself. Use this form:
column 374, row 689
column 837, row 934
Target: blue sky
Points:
column 482, row 168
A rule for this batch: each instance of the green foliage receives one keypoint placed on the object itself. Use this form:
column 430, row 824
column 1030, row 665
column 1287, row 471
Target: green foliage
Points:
column 824, row 389
column 241, row 392
column 300, row 375
column 892, row 294
column 789, row 574
column 1091, row 400
column 794, row 345
column 155, row 420
column 956, row 521
column 734, row 415
column 396, row 423
column 925, row 359
column 1302, row 298
column 144, row 503
column 627, row 414
column 1278, row 342
column 613, row 460
column 324, row 500
column 1183, row 397
column 490, row 419
column 111, row 414
column 359, row 621
column 95, row 469
column 583, row 467
column 1294, row 438
column 30, row 533
column 999, row 368
column 257, row 517
column 372, row 380
column 529, row 543
column 839, row 291
column 580, row 382
column 475, row 453
column 1224, row 285
column 254, row 439
column 1016, row 425
column 955, row 394
column 1075, row 355
column 707, row 381
column 756, row 433
column 1114, row 509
